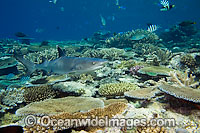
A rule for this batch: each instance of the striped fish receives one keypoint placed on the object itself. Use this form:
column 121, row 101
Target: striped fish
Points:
column 164, row 3
column 152, row 28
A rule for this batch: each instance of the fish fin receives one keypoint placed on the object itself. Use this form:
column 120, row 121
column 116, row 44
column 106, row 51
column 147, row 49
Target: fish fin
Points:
column 30, row 66
column 149, row 24
column 60, row 51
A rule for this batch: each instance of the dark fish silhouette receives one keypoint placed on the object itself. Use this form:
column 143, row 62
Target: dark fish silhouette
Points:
column 63, row 64
column 20, row 34
column 186, row 23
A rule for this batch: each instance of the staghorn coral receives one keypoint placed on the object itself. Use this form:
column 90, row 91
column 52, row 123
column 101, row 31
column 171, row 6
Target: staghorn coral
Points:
column 128, row 39
column 116, row 89
column 108, row 111
column 105, row 53
column 183, row 80
column 159, row 57
column 41, row 56
column 40, row 93
column 182, row 87
column 10, row 98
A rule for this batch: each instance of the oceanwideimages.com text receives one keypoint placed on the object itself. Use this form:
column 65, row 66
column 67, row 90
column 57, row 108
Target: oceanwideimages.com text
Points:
column 47, row 121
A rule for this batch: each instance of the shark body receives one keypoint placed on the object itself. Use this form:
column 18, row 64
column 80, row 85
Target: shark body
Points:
column 64, row 64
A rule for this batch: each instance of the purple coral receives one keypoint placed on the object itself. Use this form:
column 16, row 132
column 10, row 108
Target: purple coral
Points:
column 134, row 70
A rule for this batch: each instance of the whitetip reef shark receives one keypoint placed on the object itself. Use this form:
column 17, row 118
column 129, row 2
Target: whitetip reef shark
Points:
column 63, row 64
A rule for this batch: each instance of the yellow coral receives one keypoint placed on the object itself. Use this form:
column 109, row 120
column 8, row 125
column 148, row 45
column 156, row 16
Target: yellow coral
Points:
column 116, row 89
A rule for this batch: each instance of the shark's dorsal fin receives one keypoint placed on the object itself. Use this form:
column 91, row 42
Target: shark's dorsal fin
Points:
column 60, row 51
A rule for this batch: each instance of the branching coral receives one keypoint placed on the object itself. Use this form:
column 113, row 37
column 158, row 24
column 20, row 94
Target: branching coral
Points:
column 182, row 87
column 10, row 97
column 128, row 39
column 40, row 93
column 183, row 80
column 105, row 53
column 39, row 57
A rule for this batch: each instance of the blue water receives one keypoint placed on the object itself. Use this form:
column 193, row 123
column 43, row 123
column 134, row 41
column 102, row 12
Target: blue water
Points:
column 76, row 19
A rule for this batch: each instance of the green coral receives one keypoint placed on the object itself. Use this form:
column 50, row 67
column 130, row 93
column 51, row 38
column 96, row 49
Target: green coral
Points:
column 9, row 118
column 126, row 64
column 155, row 70
column 116, row 89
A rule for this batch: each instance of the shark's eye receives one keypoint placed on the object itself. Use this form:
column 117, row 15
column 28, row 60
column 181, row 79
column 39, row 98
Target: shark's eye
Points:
column 93, row 63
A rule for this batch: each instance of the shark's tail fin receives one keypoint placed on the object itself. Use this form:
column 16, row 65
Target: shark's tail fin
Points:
column 30, row 66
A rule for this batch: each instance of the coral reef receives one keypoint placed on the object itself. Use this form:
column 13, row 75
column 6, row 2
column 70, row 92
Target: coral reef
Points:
column 188, row 60
column 55, row 106
column 116, row 89
column 9, row 118
column 105, row 53
column 8, row 65
column 128, row 39
column 41, row 56
column 10, row 98
column 50, row 80
column 40, row 93
column 75, row 88
column 155, row 70
column 147, row 129
column 108, row 111
column 179, row 33
column 182, row 87
column 126, row 64
column 86, row 78
column 145, row 93
column 134, row 70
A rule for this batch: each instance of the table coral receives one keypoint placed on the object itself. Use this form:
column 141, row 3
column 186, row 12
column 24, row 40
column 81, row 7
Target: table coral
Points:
column 182, row 86
column 146, row 93
column 55, row 106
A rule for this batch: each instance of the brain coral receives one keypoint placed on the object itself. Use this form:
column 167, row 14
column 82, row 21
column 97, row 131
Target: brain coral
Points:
column 116, row 89
column 38, row 93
